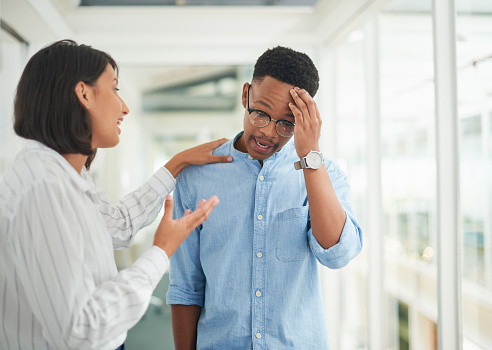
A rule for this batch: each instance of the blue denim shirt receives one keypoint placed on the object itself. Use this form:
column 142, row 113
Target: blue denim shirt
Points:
column 253, row 265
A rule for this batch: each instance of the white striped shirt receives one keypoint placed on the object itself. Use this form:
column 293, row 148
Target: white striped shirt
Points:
column 59, row 286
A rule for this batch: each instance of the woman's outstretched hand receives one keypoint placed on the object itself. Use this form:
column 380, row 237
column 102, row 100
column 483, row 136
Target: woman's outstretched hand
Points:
column 171, row 233
column 198, row 155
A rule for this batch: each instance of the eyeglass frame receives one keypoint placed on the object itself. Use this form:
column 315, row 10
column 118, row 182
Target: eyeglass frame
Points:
column 251, row 110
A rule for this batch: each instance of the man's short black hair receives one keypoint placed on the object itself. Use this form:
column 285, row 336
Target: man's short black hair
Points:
column 288, row 66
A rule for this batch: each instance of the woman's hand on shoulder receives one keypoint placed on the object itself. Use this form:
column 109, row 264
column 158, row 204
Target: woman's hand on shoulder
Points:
column 198, row 155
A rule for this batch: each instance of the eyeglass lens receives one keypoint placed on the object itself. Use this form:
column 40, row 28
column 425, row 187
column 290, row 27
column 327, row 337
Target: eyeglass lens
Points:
column 283, row 128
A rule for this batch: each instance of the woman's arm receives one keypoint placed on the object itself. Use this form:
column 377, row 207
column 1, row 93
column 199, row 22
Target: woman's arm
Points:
column 139, row 208
column 65, row 266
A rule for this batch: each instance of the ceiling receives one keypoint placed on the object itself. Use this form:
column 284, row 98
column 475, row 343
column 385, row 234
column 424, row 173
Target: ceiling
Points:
column 163, row 45
column 197, row 2
column 168, row 46
column 477, row 7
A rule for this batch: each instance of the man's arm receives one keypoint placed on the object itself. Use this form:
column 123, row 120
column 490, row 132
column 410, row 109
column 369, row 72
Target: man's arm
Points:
column 184, row 322
column 327, row 214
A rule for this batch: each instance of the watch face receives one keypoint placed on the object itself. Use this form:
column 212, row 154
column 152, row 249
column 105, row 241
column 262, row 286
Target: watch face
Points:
column 314, row 160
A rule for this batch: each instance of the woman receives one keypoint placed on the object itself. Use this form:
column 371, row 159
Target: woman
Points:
column 59, row 286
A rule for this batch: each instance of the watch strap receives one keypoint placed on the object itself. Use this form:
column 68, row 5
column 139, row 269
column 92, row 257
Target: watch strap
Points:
column 300, row 164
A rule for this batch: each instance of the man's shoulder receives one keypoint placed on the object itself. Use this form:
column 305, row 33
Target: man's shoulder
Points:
column 224, row 149
column 203, row 172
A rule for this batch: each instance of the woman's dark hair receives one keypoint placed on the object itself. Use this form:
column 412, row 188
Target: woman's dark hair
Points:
column 46, row 108
column 288, row 66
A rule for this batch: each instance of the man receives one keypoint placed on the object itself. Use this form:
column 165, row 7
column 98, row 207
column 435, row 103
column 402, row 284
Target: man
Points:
column 248, row 277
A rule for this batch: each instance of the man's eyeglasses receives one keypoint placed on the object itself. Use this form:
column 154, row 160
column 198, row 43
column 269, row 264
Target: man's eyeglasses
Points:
column 261, row 119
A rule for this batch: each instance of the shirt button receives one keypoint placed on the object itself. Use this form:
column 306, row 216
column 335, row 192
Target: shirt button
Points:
column 259, row 255
column 262, row 178
column 258, row 335
column 260, row 217
column 258, row 293
column 249, row 157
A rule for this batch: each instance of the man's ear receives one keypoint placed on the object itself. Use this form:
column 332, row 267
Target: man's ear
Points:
column 83, row 94
column 245, row 94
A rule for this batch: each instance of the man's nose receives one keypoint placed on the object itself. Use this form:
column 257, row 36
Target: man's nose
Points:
column 269, row 130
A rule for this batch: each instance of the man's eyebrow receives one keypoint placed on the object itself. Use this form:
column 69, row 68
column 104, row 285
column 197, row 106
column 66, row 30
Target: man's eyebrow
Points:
column 265, row 104
column 288, row 115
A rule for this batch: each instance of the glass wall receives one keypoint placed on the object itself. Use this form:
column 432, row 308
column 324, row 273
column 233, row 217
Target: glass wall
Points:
column 408, row 169
column 408, row 176
column 351, row 150
column 474, row 61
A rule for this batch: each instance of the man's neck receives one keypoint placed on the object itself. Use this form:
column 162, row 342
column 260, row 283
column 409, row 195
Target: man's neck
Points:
column 240, row 145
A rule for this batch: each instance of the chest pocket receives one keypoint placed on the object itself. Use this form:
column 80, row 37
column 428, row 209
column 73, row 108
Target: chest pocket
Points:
column 291, row 234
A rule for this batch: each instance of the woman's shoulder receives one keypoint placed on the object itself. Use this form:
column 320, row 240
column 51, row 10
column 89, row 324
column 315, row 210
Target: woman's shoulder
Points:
column 22, row 180
column 33, row 167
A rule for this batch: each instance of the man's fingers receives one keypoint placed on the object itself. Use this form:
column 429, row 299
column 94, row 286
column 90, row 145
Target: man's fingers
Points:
column 297, row 113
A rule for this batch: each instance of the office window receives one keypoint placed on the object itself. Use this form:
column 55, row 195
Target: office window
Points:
column 350, row 107
column 474, row 68
column 408, row 174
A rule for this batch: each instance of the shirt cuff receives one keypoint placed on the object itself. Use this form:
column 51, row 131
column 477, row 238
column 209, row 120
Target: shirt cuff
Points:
column 154, row 262
column 339, row 255
column 162, row 182
column 177, row 296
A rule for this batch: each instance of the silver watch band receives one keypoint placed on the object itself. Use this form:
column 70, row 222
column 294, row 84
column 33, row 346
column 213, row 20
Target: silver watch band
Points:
column 300, row 164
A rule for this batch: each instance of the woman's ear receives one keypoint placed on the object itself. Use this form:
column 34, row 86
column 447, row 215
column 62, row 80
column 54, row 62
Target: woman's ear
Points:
column 83, row 94
column 245, row 94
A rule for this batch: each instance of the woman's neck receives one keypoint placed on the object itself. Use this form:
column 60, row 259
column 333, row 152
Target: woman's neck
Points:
column 76, row 160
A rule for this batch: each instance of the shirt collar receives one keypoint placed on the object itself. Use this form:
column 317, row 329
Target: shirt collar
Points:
column 77, row 179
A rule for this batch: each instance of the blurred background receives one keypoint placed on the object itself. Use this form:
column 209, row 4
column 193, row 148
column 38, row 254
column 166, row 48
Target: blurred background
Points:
column 417, row 149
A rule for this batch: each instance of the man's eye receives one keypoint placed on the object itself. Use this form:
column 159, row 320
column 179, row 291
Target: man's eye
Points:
column 262, row 115
column 287, row 123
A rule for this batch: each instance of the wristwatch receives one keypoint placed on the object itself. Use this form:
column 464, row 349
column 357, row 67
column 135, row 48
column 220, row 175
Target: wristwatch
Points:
column 313, row 160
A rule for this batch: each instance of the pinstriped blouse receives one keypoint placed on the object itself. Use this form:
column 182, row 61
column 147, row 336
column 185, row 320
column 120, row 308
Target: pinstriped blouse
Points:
column 59, row 285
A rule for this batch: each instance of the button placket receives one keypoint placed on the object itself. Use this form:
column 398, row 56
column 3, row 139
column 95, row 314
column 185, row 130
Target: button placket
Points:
column 259, row 268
